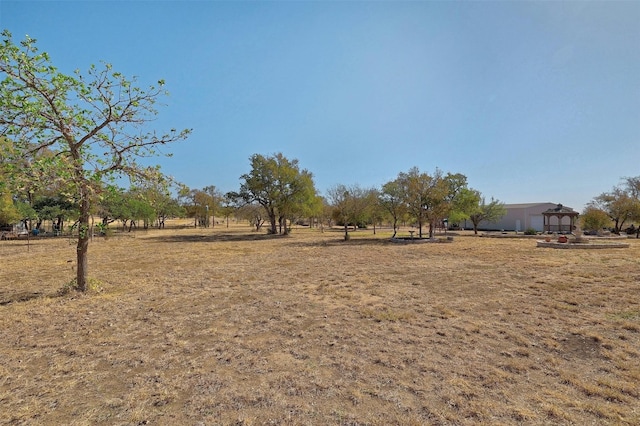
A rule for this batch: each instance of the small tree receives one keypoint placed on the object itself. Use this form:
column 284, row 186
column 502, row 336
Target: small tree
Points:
column 429, row 198
column 621, row 207
column 486, row 212
column 254, row 213
column 93, row 124
column 594, row 219
column 57, row 209
column 228, row 206
column 157, row 194
column 465, row 203
column 415, row 186
column 391, row 199
column 350, row 205
column 215, row 197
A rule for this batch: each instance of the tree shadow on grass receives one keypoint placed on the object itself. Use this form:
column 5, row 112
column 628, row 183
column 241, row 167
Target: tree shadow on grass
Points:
column 7, row 298
column 340, row 242
column 217, row 238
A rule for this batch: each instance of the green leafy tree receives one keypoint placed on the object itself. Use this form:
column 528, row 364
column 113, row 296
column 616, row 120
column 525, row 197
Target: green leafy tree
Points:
column 57, row 209
column 94, row 124
column 198, row 206
column 298, row 197
column 325, row 213
column 314, row 210
column 279, row 186
column 9, row 214
column 622, row 203
column 350, row 206
column 449, row 197
column 415, row 188
column 594, row 219
column 110, row 205
column 215, row 197
column 619, row 205
column 228, row 206
column 376, row 212
column 137, row 209
column 27, row 214
column 632, row 185
column 427, row 197
column 486, row 212
column 157, row 195
column 391, row 198
column 465, row 203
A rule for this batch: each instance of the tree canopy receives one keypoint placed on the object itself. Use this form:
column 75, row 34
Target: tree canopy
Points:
column 94, row 125
column 622, row 203
column 280, row 187
column 351, row 205
column 429, row 198
column 486, row 212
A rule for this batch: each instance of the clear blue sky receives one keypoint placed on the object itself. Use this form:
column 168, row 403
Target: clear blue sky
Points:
column 532, row 101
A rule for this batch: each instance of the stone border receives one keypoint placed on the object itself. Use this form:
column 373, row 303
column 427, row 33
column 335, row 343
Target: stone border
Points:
column 580, row 246
column 409, row 240
column 538, row 236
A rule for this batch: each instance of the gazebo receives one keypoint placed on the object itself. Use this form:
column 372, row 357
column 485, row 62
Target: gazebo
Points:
column 560, row 212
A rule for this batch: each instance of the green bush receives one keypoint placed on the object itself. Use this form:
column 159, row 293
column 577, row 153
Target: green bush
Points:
column 530, row 231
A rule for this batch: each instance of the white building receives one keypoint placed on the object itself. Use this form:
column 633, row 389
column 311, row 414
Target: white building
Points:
column 521, row 217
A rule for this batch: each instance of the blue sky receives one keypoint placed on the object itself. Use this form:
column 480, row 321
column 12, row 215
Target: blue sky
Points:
column 532, row 101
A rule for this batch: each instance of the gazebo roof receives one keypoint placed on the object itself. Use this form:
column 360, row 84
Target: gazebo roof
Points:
column 561, row 210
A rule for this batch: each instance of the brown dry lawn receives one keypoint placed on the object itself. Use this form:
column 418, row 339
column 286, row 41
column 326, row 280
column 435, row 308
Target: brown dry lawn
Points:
column 225, row 326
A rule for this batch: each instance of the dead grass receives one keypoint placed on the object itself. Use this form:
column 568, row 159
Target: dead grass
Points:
column 230, row 327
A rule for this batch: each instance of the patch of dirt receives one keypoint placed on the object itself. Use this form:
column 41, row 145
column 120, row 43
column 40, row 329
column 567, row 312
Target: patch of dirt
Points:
column 580, row 346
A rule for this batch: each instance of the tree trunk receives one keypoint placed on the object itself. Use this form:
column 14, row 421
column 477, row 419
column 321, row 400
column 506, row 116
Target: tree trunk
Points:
column 58, row 225
column 284, row 228
column 346, row 231
column 83, row 244
column 274, row 222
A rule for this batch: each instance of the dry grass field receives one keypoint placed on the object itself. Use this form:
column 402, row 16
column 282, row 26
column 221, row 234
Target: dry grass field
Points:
column 230, row 327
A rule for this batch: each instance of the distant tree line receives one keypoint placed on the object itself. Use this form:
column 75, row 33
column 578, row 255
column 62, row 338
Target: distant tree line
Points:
column 278, row 191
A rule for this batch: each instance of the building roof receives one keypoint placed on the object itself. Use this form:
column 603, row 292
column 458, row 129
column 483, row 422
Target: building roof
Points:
column 526, row 205
column 560, row 209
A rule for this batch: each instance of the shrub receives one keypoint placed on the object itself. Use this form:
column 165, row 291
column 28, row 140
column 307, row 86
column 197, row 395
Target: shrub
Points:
column 594, row 219
column 530, row 231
